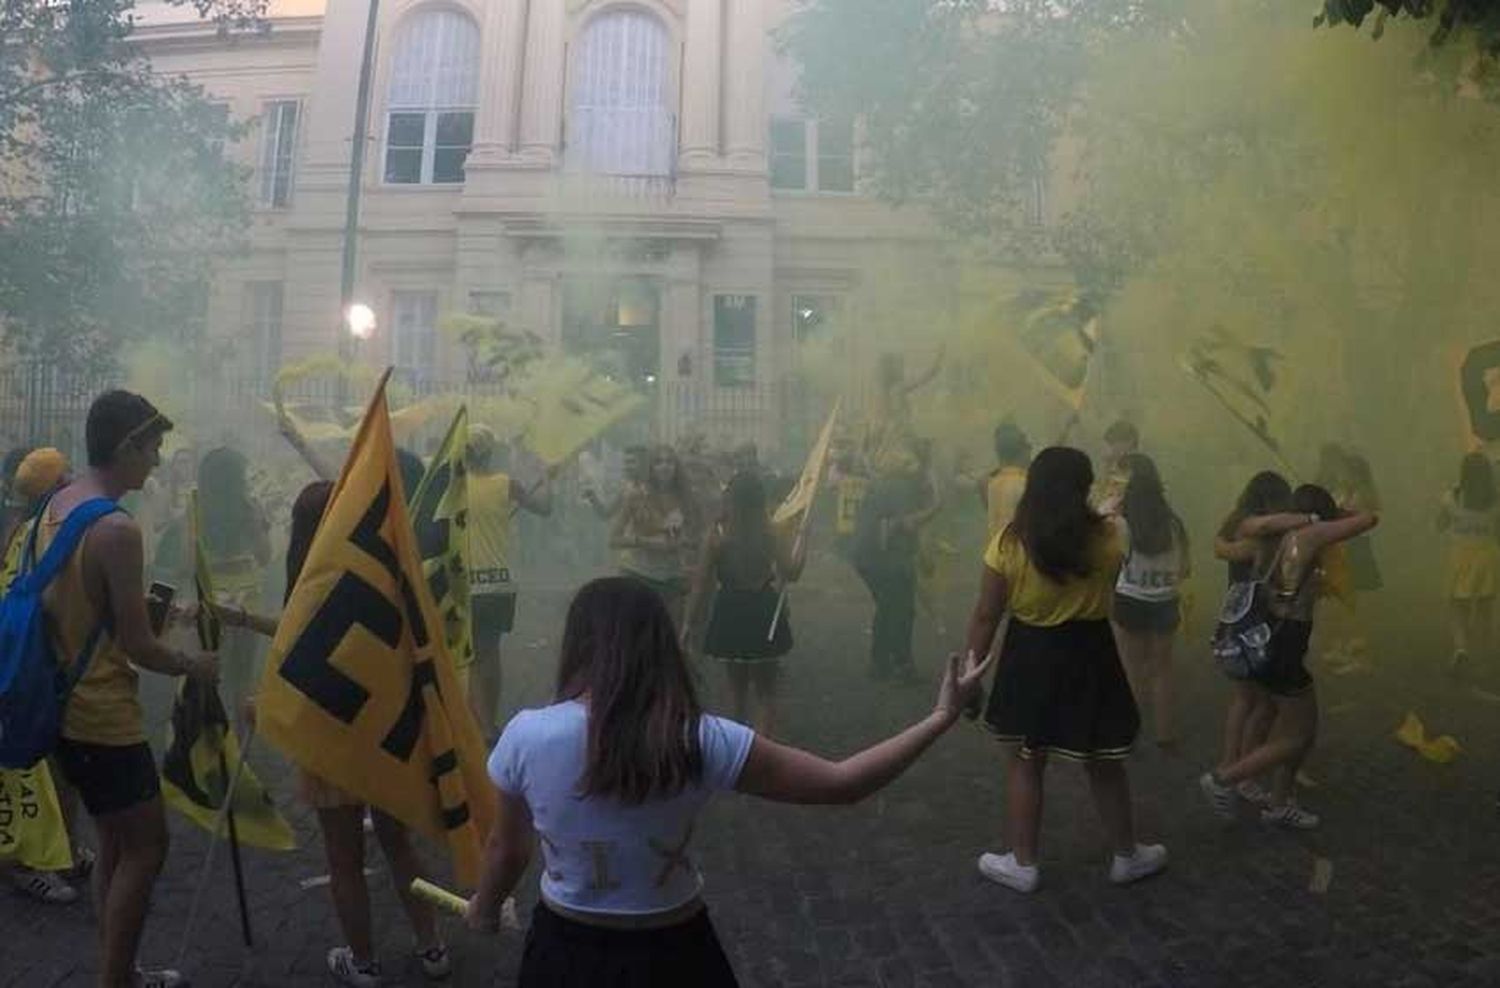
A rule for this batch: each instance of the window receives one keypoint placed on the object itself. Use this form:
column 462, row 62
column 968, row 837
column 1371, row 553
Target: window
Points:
column 414, row 334
column 261, row 319
column 278, row 152
column 812, row 155
column 620, row 119
column 496, row 305
column 788, row 154
column 835, row 157
column 812, row 315
column 434, row 89
column 734, row 341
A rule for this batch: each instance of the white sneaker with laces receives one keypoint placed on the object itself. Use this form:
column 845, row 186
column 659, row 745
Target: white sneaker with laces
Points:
column 1004, row 869
column 1253, row 792
column 347, row 971
column 1220, row 797
column 1290, row 815
column 1146, row 860
column 436, row 962
column 44, row 886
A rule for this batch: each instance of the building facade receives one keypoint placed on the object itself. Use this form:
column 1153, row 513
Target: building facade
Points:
column 630, row 179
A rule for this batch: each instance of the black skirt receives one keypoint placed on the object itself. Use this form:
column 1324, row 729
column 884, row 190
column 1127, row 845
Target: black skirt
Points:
column 563, row 953
column 738, row 628
column 1062, row 691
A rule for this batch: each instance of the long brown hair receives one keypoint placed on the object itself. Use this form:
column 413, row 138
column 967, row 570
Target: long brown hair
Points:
column 620, row 650
column 1053, row 519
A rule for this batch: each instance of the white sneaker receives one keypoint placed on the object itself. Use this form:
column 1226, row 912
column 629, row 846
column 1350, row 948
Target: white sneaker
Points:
column 436, row 962
column 1005, row 870
column 1290, row 815
column 1220, row 797
column 342, row 966
column 44, row 886
column 1147, row 860
column 1253, row 792
column 162, row 978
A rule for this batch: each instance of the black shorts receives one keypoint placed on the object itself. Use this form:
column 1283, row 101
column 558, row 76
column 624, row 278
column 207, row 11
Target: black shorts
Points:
column 1285, row 672
column 109, row 778
column 492, row 615
column 563, row 953
column 1153, row 616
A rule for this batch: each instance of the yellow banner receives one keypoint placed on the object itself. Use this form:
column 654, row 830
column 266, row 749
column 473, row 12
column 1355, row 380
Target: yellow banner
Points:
column 32, row 831
column 1060, row 333
column 801, row 498
column 1243, row 379
column 570, row 403
column 439, row 514
column 202, row 750
column 359, row 688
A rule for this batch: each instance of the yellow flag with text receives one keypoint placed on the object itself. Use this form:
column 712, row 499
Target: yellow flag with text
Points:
column 570, row 403
column 358, row 687
column 1243, row 378
column 32, row 831
column 202, row 751
column 800, row 500
column 440, row 516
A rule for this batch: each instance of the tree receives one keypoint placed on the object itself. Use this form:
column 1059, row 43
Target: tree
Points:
column 1479, row 18
column 961, row 103
column 117, row 194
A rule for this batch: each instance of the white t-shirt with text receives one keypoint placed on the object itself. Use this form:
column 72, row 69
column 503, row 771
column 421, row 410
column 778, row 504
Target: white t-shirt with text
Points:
column 600, row 855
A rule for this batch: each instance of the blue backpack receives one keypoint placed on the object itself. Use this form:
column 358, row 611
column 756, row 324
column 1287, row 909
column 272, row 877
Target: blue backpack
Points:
column 34, row 686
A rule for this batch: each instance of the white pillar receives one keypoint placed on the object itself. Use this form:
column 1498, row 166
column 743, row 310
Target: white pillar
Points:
column 503, row 47
column 701, row 73
column 745, row 85
column 542, row 91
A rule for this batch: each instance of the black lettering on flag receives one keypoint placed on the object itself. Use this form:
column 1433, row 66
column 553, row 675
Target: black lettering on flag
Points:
column 353, row 601
column 401, row 740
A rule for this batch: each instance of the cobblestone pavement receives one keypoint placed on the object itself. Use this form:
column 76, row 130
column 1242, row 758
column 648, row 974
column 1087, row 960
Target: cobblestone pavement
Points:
column 886, row 893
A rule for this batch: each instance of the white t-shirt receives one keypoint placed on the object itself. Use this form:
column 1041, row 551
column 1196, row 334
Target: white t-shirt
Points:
column 1150, row 578
column 600, row 855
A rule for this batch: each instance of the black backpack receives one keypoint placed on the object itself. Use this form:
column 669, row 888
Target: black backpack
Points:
column 1242, row 639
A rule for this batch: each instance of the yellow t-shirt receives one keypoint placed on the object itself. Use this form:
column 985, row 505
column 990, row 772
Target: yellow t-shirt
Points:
column 851, row 493
column 105, row 707
column 1038, row 600
column 489, row 534
column 1001, row 496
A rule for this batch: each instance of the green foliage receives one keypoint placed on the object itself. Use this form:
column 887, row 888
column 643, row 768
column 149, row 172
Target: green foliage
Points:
column 116, row 192
column 1481, row 18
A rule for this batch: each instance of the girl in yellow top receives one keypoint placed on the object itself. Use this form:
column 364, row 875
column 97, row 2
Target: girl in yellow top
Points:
column 1470, row 516
column 1060, row 688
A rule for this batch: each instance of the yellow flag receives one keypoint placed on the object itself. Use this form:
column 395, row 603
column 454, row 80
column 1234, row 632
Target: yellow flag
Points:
column 440, row 516
column 1413, row 734
column 1243, row 378
column 800, row 500
column 32, row 831
column 570, row 404
column 358, row 687
column 202, row 750
column 1060, row 334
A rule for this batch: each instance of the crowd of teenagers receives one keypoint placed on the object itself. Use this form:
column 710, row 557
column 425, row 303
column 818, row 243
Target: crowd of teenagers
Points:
column 1080, row 600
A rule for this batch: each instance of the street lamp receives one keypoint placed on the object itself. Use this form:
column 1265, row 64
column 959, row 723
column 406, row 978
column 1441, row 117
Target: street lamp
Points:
column 360, row 321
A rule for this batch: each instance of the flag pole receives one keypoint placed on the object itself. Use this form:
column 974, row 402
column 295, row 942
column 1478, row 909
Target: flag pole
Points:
column 213, row 840
column 234, row 847
column 798, row 544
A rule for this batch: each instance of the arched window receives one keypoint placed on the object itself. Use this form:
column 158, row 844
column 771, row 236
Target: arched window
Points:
column 620, row 119
column 434, row 89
